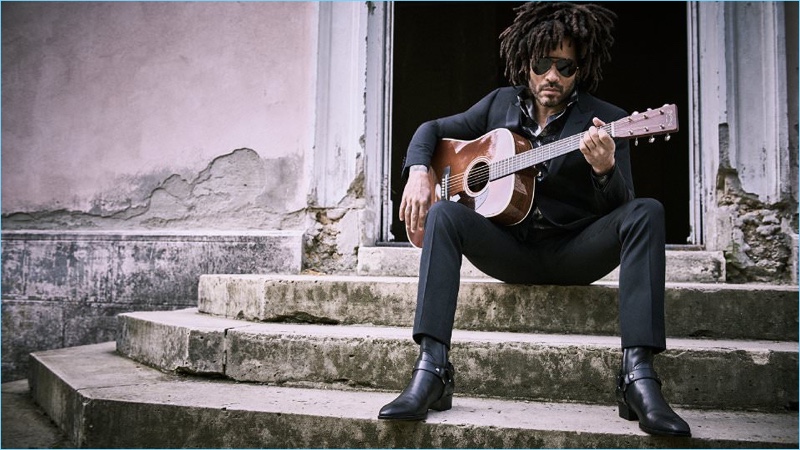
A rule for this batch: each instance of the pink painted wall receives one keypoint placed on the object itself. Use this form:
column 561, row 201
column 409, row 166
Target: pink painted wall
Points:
column 104, row 102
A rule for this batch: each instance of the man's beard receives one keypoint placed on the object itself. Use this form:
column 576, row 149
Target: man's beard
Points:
column 548, row 99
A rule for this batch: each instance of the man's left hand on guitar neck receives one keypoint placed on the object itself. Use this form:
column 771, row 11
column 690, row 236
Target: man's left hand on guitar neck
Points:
column 598, row 148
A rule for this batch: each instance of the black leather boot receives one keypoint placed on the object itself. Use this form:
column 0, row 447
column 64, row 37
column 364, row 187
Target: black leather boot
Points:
column 639, row 395
column 431, row 385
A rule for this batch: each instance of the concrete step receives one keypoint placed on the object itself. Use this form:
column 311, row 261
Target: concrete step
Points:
column 563, row 368
column 103, row 400
column 720, row 311
column 686, row 266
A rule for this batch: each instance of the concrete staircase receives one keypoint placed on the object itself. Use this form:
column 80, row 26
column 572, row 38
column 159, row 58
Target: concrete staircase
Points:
column 307, row 361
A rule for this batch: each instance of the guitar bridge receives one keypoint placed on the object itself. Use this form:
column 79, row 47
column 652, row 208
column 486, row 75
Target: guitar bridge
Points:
column 445, row 184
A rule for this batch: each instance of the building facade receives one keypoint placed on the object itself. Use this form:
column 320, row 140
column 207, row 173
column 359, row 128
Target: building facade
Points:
column 147, row 143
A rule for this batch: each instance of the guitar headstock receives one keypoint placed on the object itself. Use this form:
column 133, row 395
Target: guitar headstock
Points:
column 653, row 122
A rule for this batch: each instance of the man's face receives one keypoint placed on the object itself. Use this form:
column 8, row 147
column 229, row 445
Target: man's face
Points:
column 552, row 88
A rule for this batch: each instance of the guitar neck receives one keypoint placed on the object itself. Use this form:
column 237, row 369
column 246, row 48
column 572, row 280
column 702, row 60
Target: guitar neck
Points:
column 538, row 155
column 662, row 120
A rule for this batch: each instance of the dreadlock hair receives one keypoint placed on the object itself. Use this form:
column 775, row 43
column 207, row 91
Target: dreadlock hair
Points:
column 540, row 27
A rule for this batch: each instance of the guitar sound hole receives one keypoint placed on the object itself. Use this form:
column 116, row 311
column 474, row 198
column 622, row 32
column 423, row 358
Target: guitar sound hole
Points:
column 478, row 177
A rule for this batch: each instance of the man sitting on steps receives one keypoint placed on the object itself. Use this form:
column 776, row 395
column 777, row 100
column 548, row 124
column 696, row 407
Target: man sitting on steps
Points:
column 585, row 220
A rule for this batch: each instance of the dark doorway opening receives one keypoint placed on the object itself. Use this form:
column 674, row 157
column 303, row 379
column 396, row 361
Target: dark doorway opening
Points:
column 446, row 58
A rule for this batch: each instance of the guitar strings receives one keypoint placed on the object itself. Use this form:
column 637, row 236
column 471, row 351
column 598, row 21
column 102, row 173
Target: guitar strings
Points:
column 518, row 162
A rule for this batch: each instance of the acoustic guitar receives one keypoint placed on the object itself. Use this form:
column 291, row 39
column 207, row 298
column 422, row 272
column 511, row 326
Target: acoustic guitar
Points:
column 495, row 174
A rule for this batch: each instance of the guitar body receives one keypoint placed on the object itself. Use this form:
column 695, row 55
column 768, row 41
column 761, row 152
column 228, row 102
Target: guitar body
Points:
column 460, row 172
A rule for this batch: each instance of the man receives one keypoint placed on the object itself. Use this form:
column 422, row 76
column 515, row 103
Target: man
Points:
column 584, row 221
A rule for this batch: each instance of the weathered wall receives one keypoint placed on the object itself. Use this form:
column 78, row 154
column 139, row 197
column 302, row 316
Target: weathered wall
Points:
column 103, row 102
column 236, row 191
column 62, row 289
column 760, row 238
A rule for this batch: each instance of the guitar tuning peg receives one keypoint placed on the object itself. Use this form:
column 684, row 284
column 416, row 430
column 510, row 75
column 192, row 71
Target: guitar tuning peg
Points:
column 652, row 139
column 636, row 142
column 635, row 113
column 667, row 138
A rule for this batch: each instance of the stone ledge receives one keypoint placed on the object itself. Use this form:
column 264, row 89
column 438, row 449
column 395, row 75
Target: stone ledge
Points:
column 148, row 235
column 693, row 309
column 123, row 267
column 692, row 266
column 105, row 401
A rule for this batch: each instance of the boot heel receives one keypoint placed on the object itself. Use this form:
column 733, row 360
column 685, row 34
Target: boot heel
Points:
column 626, row 413
column 443, row 404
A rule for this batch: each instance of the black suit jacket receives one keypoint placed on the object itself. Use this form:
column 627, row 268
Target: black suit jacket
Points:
column 569, row 196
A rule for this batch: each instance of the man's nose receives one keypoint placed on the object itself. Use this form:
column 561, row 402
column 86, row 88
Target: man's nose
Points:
column 552, row 75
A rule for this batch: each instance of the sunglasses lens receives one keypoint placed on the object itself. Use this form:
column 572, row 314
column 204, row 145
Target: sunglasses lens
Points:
column 566, row 67
column 542, row 66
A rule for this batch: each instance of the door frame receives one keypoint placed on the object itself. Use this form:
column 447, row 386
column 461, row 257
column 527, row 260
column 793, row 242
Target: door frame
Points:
column 379, row 118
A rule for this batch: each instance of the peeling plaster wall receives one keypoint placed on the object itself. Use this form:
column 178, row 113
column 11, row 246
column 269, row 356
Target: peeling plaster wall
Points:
column 760, row 238
column 239, row 191
column 103, row 101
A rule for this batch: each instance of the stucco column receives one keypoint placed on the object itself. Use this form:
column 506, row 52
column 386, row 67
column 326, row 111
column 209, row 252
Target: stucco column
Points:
column 742, row 151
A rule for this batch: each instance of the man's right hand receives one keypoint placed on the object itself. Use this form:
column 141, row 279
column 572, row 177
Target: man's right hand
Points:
column 416, row 199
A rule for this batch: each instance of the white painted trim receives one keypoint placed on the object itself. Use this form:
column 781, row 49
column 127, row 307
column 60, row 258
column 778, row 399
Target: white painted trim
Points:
column 378, row 208
column 756, row 61
column 708, row 22
column 696, row 174
column 341, row 83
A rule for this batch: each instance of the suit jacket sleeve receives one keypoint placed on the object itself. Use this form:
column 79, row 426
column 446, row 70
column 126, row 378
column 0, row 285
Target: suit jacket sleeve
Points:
column 468, row 125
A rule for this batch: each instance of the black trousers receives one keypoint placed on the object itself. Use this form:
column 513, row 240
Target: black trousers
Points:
column 632, row 236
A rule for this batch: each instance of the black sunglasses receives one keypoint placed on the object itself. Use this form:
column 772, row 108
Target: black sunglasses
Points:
column 566, row 67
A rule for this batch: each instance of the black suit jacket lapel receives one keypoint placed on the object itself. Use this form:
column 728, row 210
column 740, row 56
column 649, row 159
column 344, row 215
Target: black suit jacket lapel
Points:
column 576, row 122
column 514, row 113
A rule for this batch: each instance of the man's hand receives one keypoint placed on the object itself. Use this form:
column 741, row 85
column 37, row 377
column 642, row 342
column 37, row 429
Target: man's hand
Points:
column 416, row 199
column 598, row 148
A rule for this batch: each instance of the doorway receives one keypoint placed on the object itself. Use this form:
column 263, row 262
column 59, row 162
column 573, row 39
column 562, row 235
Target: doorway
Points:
column 446, row 57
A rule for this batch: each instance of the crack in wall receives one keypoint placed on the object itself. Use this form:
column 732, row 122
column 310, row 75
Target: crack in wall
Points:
column 238, row 190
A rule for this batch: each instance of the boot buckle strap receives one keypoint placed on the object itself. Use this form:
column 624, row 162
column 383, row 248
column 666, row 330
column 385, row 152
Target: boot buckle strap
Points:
column 639, row 374
column 423, row 363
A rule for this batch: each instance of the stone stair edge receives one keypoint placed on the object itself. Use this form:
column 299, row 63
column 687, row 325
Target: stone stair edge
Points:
column 340, row 278
column 188, row 342
column 694, row 309
column 193, row 319
column 670, row 252
column 682, row 265
column 101, row 381
column 146, row 234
